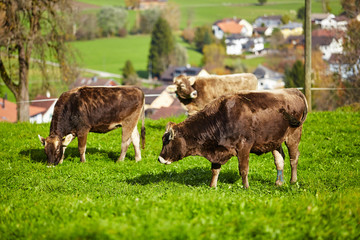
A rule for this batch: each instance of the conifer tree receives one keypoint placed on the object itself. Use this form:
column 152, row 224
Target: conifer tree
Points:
column 161, row 47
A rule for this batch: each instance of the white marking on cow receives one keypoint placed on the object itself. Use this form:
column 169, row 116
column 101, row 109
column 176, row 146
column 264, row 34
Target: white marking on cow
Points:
column 163, row 161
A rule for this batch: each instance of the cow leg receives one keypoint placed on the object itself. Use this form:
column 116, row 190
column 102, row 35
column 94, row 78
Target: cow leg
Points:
column 82, row 146
column 63, row 155
column 215, row 169
column 279, row 163
column 244, row 167
column 135, row 138
column 125, row 142
column 292, row 143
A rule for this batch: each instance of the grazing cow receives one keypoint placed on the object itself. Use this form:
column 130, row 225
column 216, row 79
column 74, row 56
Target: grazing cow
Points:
column 196, row 92
column 237, row 125
column 95, row 109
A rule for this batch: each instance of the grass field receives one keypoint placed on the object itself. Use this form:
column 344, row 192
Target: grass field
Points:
column 146, row 200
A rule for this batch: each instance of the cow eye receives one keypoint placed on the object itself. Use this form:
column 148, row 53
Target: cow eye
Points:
column 182, row 85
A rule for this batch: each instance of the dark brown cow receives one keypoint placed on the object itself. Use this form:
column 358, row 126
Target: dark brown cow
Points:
column 237, row 125
column 95, row 109
column 196, row 91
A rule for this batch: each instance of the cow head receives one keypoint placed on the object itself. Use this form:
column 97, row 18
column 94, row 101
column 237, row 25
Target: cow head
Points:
column 174, row 146
column 54, row 147
column 184, row 87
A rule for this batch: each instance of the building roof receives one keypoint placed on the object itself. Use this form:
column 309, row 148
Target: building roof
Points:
column 8, row 113
column 229, row 25
column 319, row 16
column 153, row 92
column 261, row 72
column 42, row 101
column 273, row 17
column 175, row 109
column 173, row 71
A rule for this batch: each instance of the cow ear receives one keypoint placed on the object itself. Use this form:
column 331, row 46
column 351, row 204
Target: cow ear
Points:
column 169, row 129
column 171, row 88
column 42, row 140
column 192, row 80
column 67, row 139
column 177, row 79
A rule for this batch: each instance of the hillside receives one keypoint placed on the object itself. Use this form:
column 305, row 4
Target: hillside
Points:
column 147, row 200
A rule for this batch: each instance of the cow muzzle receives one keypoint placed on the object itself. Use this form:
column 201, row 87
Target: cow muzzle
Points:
column 193, row 94
column 163, row 161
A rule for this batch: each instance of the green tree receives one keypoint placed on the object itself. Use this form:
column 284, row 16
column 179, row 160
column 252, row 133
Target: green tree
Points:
column 301, row 13
column 262, row 2
column 128, row 69
column 148, row 18
column 33, row 30
column 203, row 36
column 161, row 47
column 111, row 20
column 214, row 57
column 295, row 76
column 351, row 7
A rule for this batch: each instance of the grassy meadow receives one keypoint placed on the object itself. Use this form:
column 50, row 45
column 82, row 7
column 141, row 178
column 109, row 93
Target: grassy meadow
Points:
column 101, row 199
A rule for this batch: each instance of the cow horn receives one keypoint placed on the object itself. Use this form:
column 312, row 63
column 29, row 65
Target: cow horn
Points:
column 42, row 140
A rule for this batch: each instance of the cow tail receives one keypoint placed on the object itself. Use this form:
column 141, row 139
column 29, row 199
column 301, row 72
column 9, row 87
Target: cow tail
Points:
column 143, row 126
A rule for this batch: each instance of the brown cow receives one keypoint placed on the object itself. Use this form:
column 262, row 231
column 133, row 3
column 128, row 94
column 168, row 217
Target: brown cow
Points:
column 95, row 109
column 196, row 91
column 237, row 125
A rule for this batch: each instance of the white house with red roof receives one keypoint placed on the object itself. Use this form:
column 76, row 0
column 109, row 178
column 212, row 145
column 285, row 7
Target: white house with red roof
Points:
column 229, row 26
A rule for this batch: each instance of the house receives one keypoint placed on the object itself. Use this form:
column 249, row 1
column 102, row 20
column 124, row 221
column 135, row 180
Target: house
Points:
column 148, row 4
column 229, row 26
column 268, row 79
column 327, row 45
column 291, row 29
column 330, row 21
column 168, row 75
column 263, row 31
column 236, row 44
column 161, row 104
column 94, row 81
column 8, row 112
column 268, row 21
column 48, row 104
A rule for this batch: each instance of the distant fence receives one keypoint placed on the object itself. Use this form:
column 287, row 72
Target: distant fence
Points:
column 156, row 95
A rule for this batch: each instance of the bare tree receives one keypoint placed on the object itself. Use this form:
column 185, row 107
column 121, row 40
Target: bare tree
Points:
column 32, row 29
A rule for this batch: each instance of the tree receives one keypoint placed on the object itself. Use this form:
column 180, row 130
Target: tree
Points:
column 161, row 47
column 32, row 29
column 172, row 14
column 178, row 56
column 301, row 13
column 148, row 18
column 295, row 77
column 214, row 57
column 111, row 20
column 132, row 4
column 203, row 36
column 351, row 7
column 351, row 47
column 128, row 69
column 262, row 2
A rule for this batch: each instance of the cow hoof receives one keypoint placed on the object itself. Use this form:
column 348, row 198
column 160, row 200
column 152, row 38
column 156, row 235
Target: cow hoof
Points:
column 279, row 183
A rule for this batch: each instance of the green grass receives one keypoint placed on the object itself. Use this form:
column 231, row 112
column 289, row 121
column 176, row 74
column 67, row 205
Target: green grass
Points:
column 100, row 199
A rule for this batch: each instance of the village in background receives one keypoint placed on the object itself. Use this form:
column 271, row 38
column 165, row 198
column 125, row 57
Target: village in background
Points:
column 240, row 38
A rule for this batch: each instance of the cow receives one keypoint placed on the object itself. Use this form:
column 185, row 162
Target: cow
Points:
column 194, row 92
column 95, row 109
column 237, row 125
